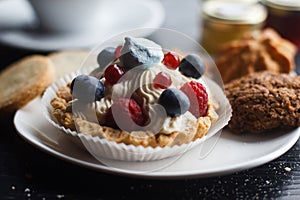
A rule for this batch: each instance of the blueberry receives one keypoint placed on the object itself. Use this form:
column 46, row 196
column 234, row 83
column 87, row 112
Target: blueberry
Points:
column 106, row 56
column 140, row 51
column 87, row 89
column 174, row 101
column 192, row 66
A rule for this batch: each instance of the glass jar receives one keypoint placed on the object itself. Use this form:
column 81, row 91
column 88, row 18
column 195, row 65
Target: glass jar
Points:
column 223, row 21
column 284, row 17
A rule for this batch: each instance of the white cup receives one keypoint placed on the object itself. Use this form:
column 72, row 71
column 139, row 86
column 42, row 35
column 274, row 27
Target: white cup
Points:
column 67, row 15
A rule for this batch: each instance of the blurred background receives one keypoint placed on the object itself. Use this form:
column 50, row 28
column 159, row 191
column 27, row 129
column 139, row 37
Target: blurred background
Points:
column 22, row 32
column 30, row 26
column 23, row 27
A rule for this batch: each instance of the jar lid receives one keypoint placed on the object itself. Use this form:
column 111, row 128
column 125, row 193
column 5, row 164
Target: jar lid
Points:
column 292, row 5
column 234, row 12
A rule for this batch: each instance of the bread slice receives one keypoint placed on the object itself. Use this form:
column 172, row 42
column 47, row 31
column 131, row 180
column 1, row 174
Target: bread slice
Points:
column 24, row 80
column 67, row 61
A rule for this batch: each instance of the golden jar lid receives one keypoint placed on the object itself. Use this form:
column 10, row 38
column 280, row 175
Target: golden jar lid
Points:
column 234, row 12
column 289, row 5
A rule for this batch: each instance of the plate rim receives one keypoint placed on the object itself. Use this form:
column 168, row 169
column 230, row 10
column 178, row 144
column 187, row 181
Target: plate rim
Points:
column 156, row 175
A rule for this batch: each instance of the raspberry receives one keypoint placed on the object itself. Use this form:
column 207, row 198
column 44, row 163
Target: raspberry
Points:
column 125, row 108
column 198, row 97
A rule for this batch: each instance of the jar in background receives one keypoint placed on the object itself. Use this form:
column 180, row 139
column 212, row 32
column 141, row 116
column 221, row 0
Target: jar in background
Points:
column 284, row 17
column 223, row 21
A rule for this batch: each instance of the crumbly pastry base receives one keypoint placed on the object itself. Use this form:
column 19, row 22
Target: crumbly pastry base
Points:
column 193, row 130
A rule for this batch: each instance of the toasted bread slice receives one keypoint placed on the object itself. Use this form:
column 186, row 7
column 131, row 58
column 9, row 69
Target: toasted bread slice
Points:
column 24, row 80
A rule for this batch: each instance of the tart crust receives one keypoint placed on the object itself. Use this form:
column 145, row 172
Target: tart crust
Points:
column 193, row 130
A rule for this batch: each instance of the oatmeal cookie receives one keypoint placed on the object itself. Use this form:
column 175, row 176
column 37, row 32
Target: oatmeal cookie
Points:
column 263, row 101
column 24, row 80
column 67, row 61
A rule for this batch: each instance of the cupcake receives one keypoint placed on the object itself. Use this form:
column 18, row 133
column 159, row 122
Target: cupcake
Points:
column 140, row 99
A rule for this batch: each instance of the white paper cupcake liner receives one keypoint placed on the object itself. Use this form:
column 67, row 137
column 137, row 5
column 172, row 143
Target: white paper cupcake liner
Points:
column 102, row 148
column 49, row 94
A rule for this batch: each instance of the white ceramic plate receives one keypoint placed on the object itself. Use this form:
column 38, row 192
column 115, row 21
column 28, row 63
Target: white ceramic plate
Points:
column 222, row 154
column 122, row 16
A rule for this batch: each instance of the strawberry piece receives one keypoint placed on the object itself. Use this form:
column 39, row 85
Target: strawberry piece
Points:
column 118, row 51
column 198, row 98
column 171, row 60
column 125, row 109
column 162, row 80
column 112, row 74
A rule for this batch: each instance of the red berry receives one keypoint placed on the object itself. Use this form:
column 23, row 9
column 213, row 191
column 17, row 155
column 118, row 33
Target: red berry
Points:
column 162, row 80
column 198, row 97
column 112, row 74
column 118, row 51
column 171, row 60
column 125, row 108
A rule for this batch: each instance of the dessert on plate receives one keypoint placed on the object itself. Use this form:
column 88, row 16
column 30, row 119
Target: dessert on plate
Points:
column 140, row 95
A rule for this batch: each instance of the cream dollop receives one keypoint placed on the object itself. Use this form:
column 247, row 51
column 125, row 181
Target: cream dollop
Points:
column 138, row 83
